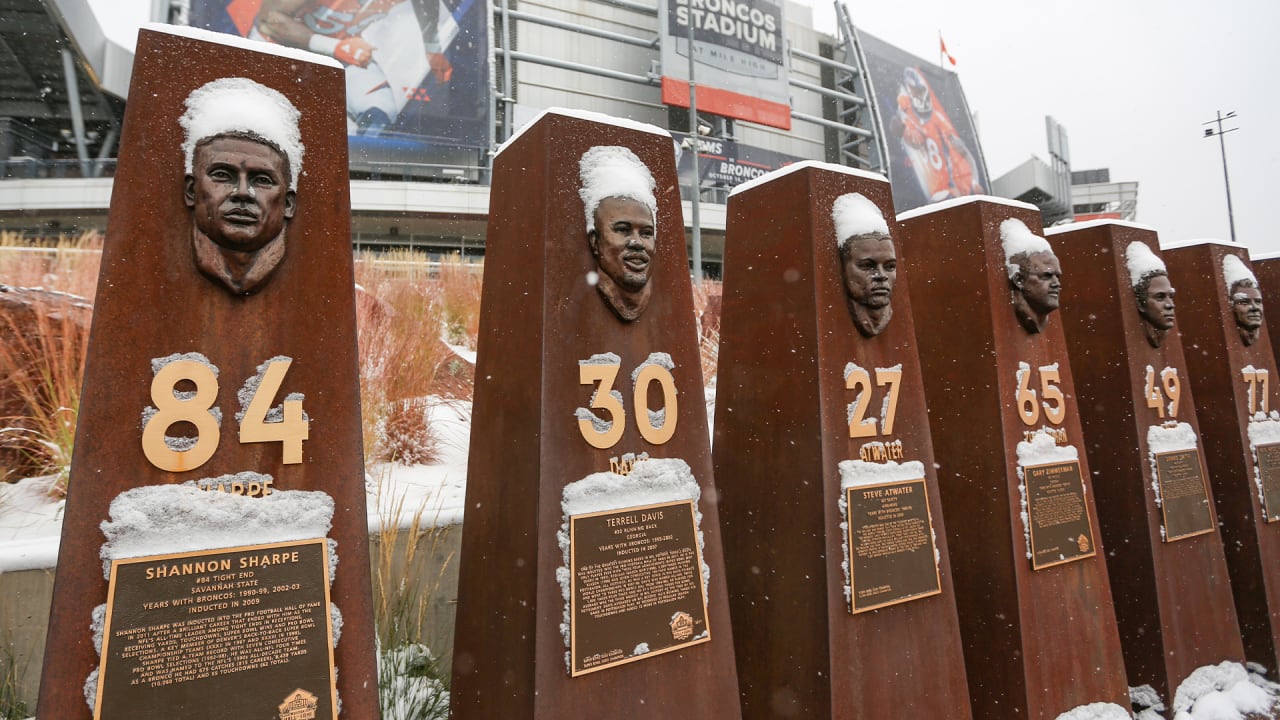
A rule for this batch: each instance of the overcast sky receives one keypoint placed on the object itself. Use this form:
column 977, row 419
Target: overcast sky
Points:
column 1131, row 80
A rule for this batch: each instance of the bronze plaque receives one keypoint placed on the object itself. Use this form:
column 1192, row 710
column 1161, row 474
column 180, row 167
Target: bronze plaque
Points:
column 892, row 557
column 1269, row 475
column 1184, row 497
column 636, row 578
column 238, row 632
column 1057, row 513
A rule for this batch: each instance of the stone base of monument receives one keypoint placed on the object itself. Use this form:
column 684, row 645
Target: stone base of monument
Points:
column 840, row 587
column 1233, row 373
column 1032, row 591
column 591, row 581
column 1169, row 576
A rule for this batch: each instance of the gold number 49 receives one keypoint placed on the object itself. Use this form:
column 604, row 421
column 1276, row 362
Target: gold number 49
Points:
column 1169, row 386
column 603, row 375
column 174, row 406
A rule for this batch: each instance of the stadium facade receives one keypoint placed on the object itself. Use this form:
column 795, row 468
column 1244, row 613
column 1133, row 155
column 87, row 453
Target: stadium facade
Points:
column 442, row 83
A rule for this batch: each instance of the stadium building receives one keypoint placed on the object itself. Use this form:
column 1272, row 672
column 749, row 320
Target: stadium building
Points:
column 435, row 86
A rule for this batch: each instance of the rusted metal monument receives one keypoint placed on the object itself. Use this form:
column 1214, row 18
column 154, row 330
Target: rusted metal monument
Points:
column 840, row 587
column 1232, row 371
column 1171, row 589
column 591, row 580
column 219, row 445
column 1032, row 593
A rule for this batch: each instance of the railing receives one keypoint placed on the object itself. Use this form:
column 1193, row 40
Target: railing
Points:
column 26, row 168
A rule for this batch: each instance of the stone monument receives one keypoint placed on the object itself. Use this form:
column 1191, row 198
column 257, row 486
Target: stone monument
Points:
column 840, row 587
column 591, row 581
column 1032, row 592
column 1221, row 313
column 218, row 472
column 1170, row 585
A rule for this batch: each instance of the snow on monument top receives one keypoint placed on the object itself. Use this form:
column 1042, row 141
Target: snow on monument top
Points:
column 613, row 171
column 1234, row 271
column 802, row 165
column 1142, row 262
column 854, row 214
column 240, row 105
column 965, row 200
column 1018, row 239
column 583, row 115
column 243, row 43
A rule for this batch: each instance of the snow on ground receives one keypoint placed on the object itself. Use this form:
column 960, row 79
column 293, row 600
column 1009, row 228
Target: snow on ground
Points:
column 31, row 519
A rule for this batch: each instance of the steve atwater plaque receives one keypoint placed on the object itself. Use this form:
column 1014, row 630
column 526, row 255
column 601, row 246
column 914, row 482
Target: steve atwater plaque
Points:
column 178, row 625
column 892, row 556
column 637, row 586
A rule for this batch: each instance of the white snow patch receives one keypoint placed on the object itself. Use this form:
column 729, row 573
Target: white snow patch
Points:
column 160, row 519
column 1234, row 270
column 237, row 104
column 1018, row 239
column 583, row 115
column 651, row 482
column 965, row 200
column 240, row 42
column 1178, row 244
column 1224, row 691
column 856, row 473
column 409, row 691
column 1096, row 711
column 803, row 165
column 1145, row 696
column 426, row 495
column 1069, row 227
column 1141, row 262
column 30, row 523
column 855, row 214
column 614, row 171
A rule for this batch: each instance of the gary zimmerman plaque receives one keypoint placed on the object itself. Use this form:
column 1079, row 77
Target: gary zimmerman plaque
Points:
column 637, row 585
column 1058, row 519
column 178, row 625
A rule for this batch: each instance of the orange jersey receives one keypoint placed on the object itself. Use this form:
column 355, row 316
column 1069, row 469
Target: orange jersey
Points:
column 344, row 18
column 942, row 163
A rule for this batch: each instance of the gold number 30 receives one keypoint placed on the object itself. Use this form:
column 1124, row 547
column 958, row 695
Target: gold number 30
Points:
column 603, row 375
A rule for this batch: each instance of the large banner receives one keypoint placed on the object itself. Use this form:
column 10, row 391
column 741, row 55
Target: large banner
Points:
column 740, row 55
column 933, row 147
column 417, row 70
column 725, row 163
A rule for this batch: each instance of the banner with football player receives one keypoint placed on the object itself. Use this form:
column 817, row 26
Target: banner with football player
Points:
column 724, row 164
column 933, row 146
column 417, row 70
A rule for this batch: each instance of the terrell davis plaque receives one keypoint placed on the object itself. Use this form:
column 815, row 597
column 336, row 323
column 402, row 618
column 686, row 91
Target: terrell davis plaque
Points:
column 1057, row 514
column 1184, row 497
column 1269, row 477
column 892, row 557
column 176, row 625
column 636, row 585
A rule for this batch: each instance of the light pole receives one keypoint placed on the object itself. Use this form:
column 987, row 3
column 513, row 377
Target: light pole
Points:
column 1209, row 132
column 696, row 195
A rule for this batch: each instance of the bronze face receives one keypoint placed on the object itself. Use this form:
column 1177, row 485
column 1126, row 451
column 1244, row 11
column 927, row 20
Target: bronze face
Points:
column 624, row 242
column 1246, row 303
column 870, row 267
column 1156, row 305
column 239, row 192
column 1041, row 282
